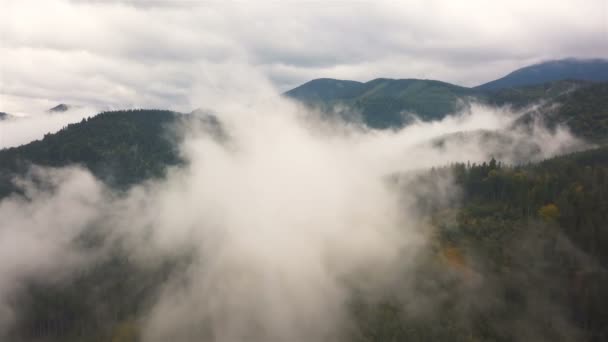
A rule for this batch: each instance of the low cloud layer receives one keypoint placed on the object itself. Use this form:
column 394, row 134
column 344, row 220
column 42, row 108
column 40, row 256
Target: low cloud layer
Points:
column 15, row 131
column 279, row 219
column 153, row 53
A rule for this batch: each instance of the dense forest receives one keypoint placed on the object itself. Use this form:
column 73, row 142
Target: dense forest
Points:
column 389, row 103
column 121, row 148
column 381, row 103
column 536, row 236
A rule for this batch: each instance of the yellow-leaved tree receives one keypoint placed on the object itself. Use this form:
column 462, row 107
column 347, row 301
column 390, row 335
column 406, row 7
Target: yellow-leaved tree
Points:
column 549, row 212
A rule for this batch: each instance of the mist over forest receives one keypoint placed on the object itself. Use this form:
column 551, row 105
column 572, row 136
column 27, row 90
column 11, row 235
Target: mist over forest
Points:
column 196, row 171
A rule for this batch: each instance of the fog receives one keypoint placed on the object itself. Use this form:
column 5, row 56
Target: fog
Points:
column 19, row 130
column 281, row 218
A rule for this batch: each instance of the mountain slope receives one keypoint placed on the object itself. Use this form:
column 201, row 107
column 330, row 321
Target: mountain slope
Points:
column 520, row 97
column 384, row 103
column 121, row 148
column 62, row 107
column 590, row 70
column 326, row 89
column 584, row 110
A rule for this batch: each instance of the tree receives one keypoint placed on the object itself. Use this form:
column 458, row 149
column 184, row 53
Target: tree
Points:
column 549, row 212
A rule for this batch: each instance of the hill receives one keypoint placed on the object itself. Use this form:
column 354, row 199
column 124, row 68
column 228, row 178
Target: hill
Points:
column 62, row 107
column 121, row 148
column 326, row 89
column 584, row 109
column 576, row 69
column 387, row 103
column 383, row 102
column 520, row 97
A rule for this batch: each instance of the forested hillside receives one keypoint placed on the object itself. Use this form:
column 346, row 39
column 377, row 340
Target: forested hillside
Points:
column 386, row 103
column 121, row 148
column 522, row 252
column 584, row 110
column 520, row 97
column 383, row 102
column 595, row 70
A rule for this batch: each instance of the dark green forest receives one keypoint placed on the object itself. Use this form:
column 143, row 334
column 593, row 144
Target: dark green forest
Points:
column 389, row 103
column 536, row 236
column 121, row 148
column 383, row 103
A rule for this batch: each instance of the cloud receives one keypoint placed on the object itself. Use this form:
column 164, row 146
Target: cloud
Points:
column 147, row 53
column 22, row 130
column 38, row 231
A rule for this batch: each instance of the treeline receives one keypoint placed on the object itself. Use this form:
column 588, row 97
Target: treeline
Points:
column 571, row 191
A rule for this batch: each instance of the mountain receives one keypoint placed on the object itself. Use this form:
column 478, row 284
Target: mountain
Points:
column 582, row 106
column 383, row 102
column 62, row 107
column 326, row 89
column 386, row 103
column 121, row 148
column 584, row 111
column 578, row 105
column 577, row 69
column 520, row 97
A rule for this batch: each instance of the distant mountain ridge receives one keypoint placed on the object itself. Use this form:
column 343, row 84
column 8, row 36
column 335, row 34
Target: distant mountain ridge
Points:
column 386, row 103
column 62, row 107
column 565, row 69
column 121, row 148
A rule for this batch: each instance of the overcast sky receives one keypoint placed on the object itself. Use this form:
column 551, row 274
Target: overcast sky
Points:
column 142, row 53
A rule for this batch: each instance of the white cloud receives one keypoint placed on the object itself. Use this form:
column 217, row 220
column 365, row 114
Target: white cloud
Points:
column 148, row 53
column 17, row 131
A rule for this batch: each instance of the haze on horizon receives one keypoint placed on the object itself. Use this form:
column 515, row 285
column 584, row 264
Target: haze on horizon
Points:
column 131, row 53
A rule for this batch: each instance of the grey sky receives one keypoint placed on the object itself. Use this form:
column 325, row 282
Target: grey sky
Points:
column 156, row 53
